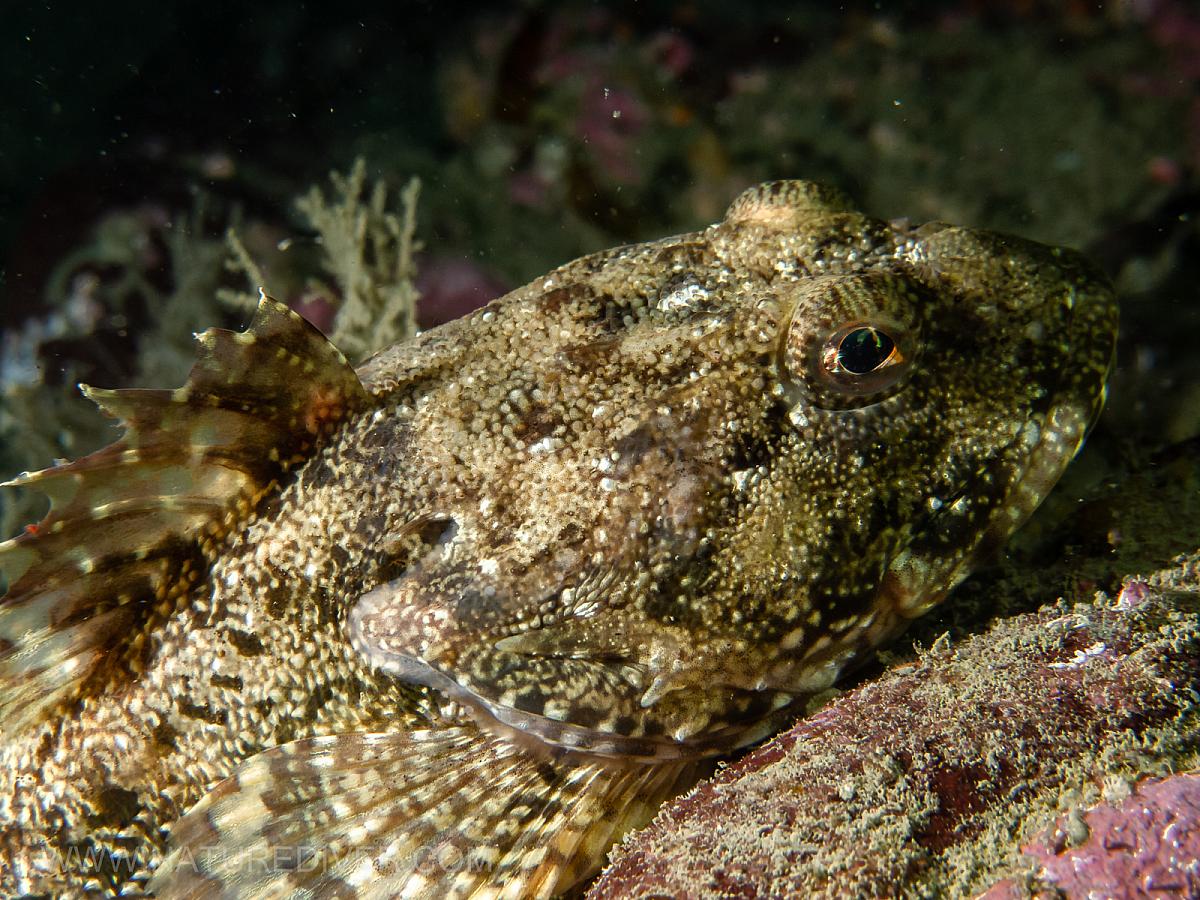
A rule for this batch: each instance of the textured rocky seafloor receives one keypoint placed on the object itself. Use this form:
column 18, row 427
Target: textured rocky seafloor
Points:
column 1147, row 843
column 933, row 778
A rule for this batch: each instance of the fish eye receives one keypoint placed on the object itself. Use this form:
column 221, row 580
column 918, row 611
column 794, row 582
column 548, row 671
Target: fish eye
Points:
column 851, row 341
column 861, row 350
column 860, row 360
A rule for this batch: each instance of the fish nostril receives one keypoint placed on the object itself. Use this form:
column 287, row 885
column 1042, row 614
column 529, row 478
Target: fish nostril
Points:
column 416, row 539
column 438, row 531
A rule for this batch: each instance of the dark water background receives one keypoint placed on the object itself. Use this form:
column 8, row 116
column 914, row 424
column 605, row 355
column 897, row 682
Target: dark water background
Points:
column 130, row 139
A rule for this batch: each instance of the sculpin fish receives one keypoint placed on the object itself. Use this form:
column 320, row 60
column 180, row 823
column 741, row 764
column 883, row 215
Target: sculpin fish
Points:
column 449, row 624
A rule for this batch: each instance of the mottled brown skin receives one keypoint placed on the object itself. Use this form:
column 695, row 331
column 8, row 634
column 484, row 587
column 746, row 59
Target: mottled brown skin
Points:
column 621, row 517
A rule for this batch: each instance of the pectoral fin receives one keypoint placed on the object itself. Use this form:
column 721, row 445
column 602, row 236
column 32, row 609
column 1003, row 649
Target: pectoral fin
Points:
column 132, row 526
column 451, row 812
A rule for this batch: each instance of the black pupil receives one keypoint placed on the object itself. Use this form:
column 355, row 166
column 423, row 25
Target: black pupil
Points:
column 864, row 350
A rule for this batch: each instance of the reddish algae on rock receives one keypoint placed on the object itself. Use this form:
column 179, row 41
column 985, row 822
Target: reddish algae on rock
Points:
column 1146, row 846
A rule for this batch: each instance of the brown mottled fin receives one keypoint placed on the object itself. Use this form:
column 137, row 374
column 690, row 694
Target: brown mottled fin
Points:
column 130, row 526
column 444, row 813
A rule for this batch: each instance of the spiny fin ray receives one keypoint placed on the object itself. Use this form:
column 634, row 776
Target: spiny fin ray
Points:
column 444, row 813
column 130, row 525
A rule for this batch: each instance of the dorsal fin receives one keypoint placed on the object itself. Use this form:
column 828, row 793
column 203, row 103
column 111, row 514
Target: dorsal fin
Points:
column 132, row 525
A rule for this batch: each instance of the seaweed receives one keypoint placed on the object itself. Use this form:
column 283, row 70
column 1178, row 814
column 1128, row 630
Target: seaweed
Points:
column 143, row 284
column 369, row 251
column 96, row 294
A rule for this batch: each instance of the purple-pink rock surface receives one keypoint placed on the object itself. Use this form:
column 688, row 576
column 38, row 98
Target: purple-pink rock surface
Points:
column 1146, row 846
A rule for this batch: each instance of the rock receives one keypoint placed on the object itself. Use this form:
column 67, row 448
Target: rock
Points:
column 1148, row 845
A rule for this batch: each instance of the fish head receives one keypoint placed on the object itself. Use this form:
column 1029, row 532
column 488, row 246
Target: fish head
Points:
column 673, row 488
